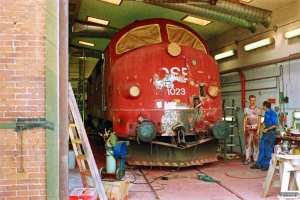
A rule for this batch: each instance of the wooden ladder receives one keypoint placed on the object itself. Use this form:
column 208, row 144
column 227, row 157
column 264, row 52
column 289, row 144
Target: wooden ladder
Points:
column 83, row 153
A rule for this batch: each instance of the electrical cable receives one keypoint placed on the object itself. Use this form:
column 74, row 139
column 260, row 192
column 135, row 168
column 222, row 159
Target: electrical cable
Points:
column 243, row 177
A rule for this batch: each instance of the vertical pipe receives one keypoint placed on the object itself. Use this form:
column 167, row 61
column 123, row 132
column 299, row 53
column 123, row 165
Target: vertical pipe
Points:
column 52, row 98
column 282, row 87
column 63, row 99
column 83, row 87
column 242, row 87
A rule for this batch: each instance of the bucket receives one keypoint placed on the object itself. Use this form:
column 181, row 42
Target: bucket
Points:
column 296, row 150
column 71, row 159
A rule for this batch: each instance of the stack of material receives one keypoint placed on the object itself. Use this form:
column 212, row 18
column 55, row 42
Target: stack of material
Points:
column 117, row 190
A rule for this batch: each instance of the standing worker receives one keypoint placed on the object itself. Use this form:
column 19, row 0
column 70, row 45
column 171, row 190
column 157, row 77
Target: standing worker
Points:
column 267, row 140
column 252, row 121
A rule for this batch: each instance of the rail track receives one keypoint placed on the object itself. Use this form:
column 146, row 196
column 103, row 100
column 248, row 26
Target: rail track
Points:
column 152, row 182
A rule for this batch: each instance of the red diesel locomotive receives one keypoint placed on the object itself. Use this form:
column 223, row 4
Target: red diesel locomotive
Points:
column 159, row 88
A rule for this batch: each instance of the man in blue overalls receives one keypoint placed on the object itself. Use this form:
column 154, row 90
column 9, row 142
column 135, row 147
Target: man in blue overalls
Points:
column 268, row 138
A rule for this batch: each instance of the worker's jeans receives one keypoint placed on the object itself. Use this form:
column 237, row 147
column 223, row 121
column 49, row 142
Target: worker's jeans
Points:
column 266, row 149
column 251, row 136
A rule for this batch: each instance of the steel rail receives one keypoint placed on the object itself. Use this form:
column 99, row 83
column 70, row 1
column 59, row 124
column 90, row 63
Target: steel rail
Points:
column 222, row 185
column 150, row 186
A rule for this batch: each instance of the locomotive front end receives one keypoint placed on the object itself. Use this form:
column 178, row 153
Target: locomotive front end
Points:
column 164, row 90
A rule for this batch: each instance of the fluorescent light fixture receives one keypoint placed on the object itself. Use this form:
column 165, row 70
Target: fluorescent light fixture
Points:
column 96, row 20
column 260, row 43
column 195, row 20
column 115, row 2
column 292, row 33
column 86, row 43
column 296, row 114
column 245, row 1
column 225, row 54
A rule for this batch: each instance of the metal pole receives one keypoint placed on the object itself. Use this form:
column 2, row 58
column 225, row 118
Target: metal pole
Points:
column 63, row 99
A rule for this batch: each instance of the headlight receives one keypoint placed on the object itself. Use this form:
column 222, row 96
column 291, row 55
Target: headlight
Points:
column 131, row 90
column 134, row 91
column 174, row 49
column 213, row 91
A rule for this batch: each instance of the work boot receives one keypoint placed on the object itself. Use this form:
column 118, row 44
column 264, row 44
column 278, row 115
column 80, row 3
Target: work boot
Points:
column 264, row 169
column 247, row 162
column 254, row 167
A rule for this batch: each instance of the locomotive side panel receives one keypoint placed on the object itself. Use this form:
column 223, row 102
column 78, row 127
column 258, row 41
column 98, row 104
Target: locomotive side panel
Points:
column 96, row 92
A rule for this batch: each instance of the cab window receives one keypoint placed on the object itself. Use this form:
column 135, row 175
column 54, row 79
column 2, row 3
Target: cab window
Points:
column 138, row 37
column 182, row 36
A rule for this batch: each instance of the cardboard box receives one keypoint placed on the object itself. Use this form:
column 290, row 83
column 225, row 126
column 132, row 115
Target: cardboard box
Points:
column 117, row 190
column 83, row 194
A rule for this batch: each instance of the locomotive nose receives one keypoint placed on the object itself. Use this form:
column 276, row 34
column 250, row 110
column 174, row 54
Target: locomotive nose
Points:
column 221, row 130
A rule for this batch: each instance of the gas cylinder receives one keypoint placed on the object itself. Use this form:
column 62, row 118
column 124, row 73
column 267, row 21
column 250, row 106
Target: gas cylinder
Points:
column 111, row 163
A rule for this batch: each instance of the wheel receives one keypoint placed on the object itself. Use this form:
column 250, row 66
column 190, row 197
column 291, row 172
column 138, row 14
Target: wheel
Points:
column 101, row 171
column 119, row 174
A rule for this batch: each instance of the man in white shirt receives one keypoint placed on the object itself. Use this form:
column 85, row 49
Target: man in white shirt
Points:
column 251, row 127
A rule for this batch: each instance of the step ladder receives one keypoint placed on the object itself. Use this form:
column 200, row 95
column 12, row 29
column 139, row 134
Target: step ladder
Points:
column 234, row 139
column 83, row 153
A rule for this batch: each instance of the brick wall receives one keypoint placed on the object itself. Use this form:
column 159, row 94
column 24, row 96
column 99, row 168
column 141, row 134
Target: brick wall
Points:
column 22, row 97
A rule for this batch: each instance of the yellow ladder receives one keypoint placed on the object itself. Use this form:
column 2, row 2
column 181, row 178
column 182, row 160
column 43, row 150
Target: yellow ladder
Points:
column 83, row 153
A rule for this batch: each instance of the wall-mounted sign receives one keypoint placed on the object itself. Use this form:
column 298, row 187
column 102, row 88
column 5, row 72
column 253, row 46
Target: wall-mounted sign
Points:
column 272, row 100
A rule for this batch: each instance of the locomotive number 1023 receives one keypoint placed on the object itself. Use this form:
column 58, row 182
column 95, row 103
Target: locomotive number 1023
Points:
column 177, row 71
column 176, row 91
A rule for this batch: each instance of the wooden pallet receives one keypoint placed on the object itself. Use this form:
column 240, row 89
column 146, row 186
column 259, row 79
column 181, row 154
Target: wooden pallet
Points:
column 83, row 153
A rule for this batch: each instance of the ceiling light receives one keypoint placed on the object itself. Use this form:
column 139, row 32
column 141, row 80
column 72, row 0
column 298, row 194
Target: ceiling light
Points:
column 245, row 1
column 225, row 54
column 115, row 2
column 86, row 43
column 260, row 43
column 292, row 33
column 296, row 114
column 195, row 20
column 96, row 20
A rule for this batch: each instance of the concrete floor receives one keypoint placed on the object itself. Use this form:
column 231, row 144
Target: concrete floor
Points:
column 232, row 181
